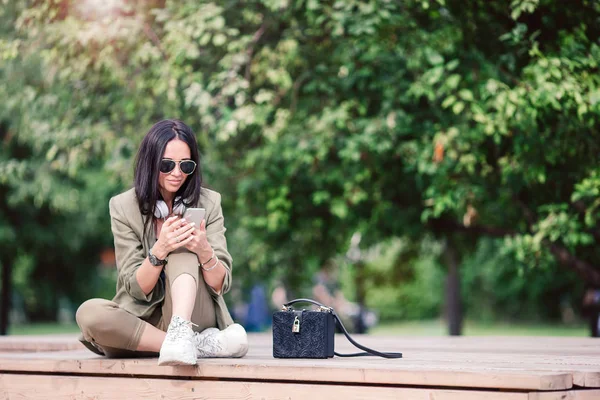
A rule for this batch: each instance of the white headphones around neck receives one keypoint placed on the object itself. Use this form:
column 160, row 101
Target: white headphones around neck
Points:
column 162, row 211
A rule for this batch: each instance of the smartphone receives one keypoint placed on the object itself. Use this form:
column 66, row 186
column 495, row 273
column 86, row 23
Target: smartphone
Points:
column 195, row 215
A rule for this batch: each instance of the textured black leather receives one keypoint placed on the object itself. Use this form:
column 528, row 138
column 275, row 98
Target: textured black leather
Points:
column 315, row 336
column 314, row 340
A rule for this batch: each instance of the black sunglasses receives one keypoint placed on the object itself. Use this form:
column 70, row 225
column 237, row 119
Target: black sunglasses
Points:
column 186, row 166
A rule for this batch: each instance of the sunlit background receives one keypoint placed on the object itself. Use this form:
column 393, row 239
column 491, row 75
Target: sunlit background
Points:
column 426, row 167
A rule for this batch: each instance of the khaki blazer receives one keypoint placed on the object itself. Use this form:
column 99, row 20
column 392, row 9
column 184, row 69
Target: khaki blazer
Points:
column 131, row 248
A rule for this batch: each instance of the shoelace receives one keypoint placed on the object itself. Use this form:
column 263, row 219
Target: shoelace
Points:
column 177, row 328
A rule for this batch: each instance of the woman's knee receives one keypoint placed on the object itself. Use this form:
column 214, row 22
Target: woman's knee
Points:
column 182, row 263
column 95, row 315
column 104, row 323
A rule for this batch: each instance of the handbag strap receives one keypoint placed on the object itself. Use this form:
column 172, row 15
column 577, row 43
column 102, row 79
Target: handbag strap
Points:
column 366, row 351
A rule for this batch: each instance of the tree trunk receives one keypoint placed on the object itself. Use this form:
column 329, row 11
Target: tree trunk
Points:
column 5, row 302
column 585, row 270
column 454, row 312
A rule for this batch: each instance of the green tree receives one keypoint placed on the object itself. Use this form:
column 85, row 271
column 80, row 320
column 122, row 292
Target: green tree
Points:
column 317, row 119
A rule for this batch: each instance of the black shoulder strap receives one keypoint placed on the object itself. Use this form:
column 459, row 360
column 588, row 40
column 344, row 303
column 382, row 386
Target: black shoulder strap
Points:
column 366, row 351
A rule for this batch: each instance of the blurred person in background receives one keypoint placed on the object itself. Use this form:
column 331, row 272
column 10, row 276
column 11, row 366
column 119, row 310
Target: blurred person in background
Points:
column 591, row 309
column 172, row 274
column 327, row 291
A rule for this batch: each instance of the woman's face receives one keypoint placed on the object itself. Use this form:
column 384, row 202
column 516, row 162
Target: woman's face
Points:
column 177, row 150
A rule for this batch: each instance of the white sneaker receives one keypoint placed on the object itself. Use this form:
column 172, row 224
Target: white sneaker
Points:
column 230, row 342
column 179, row 347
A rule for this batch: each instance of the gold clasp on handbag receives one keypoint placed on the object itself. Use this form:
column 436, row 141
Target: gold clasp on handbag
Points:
column 296, row 327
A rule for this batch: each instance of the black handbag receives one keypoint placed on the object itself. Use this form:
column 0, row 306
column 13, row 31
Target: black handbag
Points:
column 311, row 333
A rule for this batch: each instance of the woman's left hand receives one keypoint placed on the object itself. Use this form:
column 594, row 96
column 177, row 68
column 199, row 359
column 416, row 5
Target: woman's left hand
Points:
column 199, row 244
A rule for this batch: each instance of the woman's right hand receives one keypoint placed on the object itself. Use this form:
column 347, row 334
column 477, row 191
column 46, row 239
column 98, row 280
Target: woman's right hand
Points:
column 174, row 233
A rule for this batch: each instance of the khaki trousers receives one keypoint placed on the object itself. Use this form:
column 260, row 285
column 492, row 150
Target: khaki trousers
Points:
column 114, row 332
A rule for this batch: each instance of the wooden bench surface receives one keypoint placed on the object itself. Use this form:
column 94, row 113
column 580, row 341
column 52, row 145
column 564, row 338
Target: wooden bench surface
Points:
column 39, row 343
column 505, row 367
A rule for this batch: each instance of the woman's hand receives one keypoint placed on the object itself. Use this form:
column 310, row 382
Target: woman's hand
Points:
column 175, row 233
column 199, row 244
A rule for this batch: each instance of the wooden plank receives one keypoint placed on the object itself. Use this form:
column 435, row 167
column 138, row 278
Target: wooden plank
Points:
column 545, row 363
column 585, row 371
column 548, row 359
column 577, row 356
column 395, row 372
column 543, row 346
column 593, row 394
column 486, row 344
column 513, row 345
column 588, row 379
column 32, row 387
column 260, row 345
column 35, row 343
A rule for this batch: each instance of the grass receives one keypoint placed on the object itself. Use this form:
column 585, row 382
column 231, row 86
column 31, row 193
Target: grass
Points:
column 410, row 328
column 470, row 328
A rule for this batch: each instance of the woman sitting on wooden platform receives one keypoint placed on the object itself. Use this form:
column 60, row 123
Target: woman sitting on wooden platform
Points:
column 171, row 273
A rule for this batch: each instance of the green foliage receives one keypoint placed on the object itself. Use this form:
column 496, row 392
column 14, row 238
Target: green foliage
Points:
column 406, row 280
column 495, row 287
column 316, row 119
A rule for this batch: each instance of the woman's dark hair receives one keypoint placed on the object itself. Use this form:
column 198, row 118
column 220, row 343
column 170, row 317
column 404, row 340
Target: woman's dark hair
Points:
column 147, row 166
